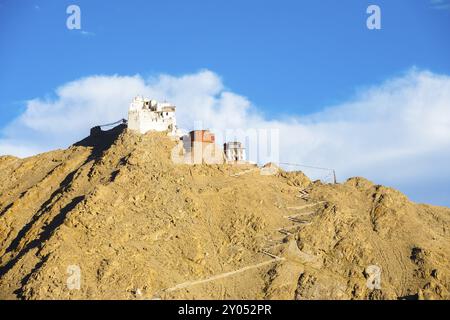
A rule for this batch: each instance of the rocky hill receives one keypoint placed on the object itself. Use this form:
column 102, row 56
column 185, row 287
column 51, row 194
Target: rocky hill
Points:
column 138, row 226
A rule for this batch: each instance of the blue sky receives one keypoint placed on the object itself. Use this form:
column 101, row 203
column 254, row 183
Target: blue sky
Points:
column 309, row 53
column 289, row 58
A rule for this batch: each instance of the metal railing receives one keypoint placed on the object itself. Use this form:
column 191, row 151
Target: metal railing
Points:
column 331, row 172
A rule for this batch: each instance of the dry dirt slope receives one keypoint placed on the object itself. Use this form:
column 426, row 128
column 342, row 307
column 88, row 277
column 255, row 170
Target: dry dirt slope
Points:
column 140, row 227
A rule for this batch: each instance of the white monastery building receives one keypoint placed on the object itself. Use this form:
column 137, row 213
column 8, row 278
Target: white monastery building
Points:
column 145, row 115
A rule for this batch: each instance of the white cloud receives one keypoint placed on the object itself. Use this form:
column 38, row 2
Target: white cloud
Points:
column 396, row 133
column 87, row 33
column 440, row 4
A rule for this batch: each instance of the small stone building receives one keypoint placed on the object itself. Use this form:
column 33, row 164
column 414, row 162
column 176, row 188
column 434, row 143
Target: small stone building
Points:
column 200, row 142
column 202, row 136
column 203, row 149
column 234, row 151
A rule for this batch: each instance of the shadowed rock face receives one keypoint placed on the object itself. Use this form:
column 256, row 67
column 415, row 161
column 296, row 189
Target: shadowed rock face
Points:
column 137, row 226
